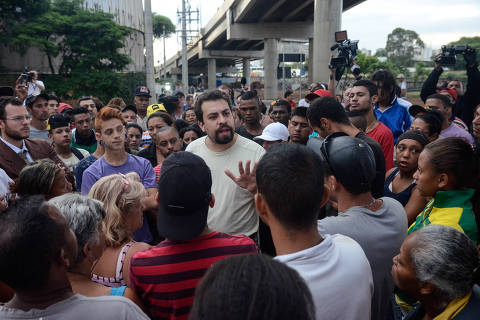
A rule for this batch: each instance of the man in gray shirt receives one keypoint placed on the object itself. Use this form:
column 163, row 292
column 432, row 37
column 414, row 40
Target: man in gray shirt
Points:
column 37, row 106
column 378, row 225
column 37, row 246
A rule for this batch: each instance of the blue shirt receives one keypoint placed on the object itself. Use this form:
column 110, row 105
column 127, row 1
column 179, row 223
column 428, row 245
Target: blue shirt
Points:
column 395, row 117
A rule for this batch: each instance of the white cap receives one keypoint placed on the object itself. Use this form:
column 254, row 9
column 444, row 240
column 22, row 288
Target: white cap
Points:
column 274, row 132
column 401, row 76
column 303, row 103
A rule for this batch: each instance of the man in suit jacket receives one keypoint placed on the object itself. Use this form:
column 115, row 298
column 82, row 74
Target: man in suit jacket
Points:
column 16, row 150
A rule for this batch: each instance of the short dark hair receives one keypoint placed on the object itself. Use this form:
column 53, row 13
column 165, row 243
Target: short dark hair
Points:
column 185, row 112
column 300, row 112
column 209, row 96
column 441, row 97
column 434, row 120
column 53, row 97
column 134, row 125
column 180, row 124
column 253, row 284
column 189, row 128
column 372, row 87
column 29, row 241
column 285, row 103
column 357, row 118
column 387, row 79
column 8, row 100
column 161, row 114
column 79, row 110
column 288, row 93
column 85, row 98
column 290, row 178
column 179, row 94
column 329, row 108
column 247, row 95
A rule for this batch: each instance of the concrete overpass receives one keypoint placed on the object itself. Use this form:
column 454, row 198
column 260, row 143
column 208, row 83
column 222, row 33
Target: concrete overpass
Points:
column 244, row 30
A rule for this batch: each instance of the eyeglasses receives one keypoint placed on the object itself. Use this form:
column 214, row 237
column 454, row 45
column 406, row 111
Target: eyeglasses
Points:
column 20, row 119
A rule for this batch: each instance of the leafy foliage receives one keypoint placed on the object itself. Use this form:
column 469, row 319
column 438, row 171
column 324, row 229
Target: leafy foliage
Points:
column 421, row 73
column 87, row 41
column 401, row 46
column 370, row 64
column 159, row 22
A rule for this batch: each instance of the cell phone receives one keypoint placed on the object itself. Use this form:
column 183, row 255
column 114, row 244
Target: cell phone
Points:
column 341, row 36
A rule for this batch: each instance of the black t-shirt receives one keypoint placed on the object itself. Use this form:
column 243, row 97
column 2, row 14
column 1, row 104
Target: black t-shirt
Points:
column 244, row 133
column 379, row 181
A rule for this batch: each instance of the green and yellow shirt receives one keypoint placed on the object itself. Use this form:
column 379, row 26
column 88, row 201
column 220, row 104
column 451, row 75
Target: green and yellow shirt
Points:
column 451, row 208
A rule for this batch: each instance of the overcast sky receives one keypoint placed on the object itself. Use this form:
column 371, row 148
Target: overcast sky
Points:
column 436, row 21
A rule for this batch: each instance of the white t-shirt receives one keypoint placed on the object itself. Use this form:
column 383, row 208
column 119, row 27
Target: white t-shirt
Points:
column 380, row 233
column 338, row 275
column 79, row 307
column 4, row 181
column 72, row 161
column 34, row 89
column 234, row 211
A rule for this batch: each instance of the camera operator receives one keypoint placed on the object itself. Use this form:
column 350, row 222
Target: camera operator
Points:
column 35, row 86
column 465, row 102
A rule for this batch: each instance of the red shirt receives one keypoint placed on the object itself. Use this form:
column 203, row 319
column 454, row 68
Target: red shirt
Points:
column 158, row 171
column 165, row 276
column 384, row 137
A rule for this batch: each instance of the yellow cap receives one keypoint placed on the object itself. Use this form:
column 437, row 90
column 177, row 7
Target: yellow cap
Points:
column 154, row 108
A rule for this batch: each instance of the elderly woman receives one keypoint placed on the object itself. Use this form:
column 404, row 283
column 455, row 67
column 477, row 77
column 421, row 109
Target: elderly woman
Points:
column 122, row 199
column 43, row 177
column 85, row 217
column 439, row 266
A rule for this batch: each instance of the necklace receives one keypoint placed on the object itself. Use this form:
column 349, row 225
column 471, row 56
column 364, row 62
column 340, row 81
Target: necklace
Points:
column 371, row 203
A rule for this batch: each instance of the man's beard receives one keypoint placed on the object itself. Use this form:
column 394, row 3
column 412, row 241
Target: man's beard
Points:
column 15, row 135
column 224, row 140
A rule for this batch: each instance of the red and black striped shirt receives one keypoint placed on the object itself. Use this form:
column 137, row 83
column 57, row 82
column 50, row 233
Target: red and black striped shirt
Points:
column 165, row 276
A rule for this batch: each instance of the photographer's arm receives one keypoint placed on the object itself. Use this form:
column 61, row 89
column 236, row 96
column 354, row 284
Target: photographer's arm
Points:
column 331, row 79
column 472, row 94
column 39, row 84
column 430, row 85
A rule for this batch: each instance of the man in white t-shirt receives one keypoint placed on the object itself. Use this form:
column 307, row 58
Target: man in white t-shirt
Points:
column 35, row 87
column 290, row 195
column 378, row 225
column 223, row 150
column 35, row 258
column 403, row 85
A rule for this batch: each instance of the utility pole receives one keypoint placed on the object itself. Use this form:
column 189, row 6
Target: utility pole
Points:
column 164, row 56
column 149, row 50
column 184, row 49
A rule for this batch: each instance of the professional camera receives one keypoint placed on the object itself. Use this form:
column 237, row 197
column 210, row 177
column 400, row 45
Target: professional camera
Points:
column 347, row 52
column 26, row 76
column 448, row 57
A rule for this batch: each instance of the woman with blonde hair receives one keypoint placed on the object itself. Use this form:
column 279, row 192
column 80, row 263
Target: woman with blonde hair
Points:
column 122, row 199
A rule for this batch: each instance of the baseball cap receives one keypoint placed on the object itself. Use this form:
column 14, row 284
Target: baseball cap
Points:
column 62, row 106
column 401, row 76
column 32, row 98
column 274, row 132
column 451, row 92
column 154, row 108
column 350, row 159
column 416, row 109
column 318, row 93
column 58, row 121
column 142, row 91
column 184, row 192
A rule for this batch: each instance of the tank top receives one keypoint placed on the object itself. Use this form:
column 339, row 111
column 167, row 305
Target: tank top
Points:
column 118, row 280
column 402, row 196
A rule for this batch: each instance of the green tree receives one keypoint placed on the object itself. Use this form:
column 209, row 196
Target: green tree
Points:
column 160, row 22
column 366, row 62
column 401, row 46
column 381, row 52
column 88, row 43
column 473, row 42
column 420, row 72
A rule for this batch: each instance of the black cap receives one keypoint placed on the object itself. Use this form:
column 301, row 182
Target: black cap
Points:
column 57, row 121
column 31, row 99
column 416, row 109
column 351, row 160
column 184, row 192
column 130, row 107
column 142, row 91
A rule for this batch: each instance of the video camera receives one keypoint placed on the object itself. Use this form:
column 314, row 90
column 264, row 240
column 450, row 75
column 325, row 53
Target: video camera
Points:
column 448, row 57
column 347, row 52
column 26, row 76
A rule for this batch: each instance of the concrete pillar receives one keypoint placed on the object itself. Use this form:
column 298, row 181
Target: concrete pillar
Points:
column 270, row 68
column 246, row 70
column 310, row 60
column 149, row 70
column 212, row 74
column 327, row 19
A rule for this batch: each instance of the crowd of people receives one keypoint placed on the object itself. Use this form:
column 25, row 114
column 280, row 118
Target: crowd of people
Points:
column 219, row 205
